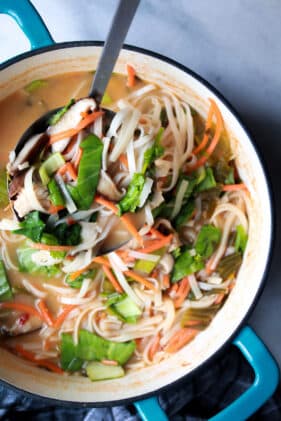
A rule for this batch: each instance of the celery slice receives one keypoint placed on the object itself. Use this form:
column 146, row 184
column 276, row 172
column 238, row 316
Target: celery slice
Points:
column 98, row 371
column 51, row 165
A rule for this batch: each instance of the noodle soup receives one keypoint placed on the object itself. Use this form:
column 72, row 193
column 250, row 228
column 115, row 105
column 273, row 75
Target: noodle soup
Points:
column 75, row 188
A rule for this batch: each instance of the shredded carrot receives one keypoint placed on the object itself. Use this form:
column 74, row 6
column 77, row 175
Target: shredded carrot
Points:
column 47, row 317
column 124, row 218
column 136, row 277
column 40, row 362
column 219, row 128
column 234, row 187
column 207, row 129
column 174, row 288
column 154, row 347
column 131, row 76
column 180, row 339
column 166, row 281
column 106, row 203
column 157, row 233
column 152, row 245
column 132, row 229
column 123, row 159
column 25, row 308
column 219, row 298
column 68, row 168
column 90, row 118
column 78, row 159
column 101, row 260
column 112, row 278
column 40, row 246
column 55, row 209
column 182, row 292
column 62, row 316
column 208, row 267
column 124, row 255
column 71, row 145
column 109, row 362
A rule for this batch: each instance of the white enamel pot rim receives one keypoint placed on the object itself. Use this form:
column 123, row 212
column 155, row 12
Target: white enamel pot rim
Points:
column 144, row 391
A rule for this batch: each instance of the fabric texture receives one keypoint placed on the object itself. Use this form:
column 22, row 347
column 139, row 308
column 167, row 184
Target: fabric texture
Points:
column 195, row 399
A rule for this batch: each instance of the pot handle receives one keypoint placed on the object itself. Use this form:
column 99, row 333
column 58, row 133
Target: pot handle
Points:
column 29, row 20
column 265, row 383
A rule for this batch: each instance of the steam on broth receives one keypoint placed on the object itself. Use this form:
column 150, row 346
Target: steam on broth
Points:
column 74, row 189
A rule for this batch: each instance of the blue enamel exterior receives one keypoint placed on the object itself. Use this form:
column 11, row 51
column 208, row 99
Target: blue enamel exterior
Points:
column 29, row 20
column 253, row 349
column 265, row 383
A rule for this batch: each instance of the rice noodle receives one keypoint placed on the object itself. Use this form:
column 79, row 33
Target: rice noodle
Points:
column 30, row 287
column 179, row 198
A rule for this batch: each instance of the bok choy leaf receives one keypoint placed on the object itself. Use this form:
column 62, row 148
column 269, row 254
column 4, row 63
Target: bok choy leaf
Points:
column 88, row 172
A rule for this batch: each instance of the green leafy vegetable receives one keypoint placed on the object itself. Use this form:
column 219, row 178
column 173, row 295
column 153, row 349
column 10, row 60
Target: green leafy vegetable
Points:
column 156, row 150
column 130, row 201
column 55, row 194
column 93, row 347
column 68, row 235
column 88, row 172
column 185, row 214
column 241, row 239
column 229, row 265
column 34, row 85
column 185, row 265
column 120, row 352
column 230, row 177
column 68, row 358
column 77, row 283
column 224, row 173
column 32, row 227
column 26, row 263
column 208, row 182
column 58, row 115
column 51, row 165
column 98, row 371
column 4, row 199
column 5, row 288
column 51, row 240
column 207, row 240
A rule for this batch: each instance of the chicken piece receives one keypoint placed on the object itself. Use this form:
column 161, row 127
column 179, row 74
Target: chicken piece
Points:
column 32, row 196
column 15, row 323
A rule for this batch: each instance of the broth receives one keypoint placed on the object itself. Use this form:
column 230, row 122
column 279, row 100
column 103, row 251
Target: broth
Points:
column 159, row 159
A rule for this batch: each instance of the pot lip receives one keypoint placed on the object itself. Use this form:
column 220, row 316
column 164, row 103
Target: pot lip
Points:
column 204, row 364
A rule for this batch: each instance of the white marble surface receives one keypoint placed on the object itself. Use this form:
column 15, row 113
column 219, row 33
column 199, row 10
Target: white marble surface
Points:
column 235, row 45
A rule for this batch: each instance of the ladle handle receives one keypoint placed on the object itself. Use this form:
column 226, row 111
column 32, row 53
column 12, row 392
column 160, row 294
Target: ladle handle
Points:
column 113, row 44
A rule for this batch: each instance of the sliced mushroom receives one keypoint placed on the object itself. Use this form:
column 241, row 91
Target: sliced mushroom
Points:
column 69, row 120
column 107, row 188
column 16, row 185
column 28, row 154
